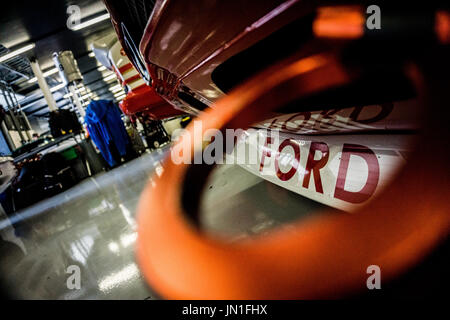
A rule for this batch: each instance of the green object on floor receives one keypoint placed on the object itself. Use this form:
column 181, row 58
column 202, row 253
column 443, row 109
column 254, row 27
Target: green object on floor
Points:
column 69, row 154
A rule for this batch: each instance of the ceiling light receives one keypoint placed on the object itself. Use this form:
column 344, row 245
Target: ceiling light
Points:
column 115, row 89
column 58, row 87
column 16, row 52
column 106, row 73
column 110, row 77
column 50, row 72
column 91, row 22
column 86, row 96
column 91, row 55
column 45, row 74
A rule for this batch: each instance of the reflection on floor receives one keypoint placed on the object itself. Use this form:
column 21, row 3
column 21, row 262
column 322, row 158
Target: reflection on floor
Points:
column 237, row 204
column 92, row 226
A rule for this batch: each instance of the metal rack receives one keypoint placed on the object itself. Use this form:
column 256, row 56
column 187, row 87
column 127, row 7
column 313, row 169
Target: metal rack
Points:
column 15, row 69
column 14, row 119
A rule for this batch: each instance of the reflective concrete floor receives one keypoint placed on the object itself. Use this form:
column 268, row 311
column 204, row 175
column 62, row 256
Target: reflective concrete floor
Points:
column 92, row 227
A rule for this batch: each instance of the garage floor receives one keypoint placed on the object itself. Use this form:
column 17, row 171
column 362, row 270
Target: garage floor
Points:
column 92, row 226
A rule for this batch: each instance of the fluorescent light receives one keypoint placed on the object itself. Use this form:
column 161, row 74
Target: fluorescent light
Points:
column 115, row 88
column 58, row 87
column 50, row 72
column 120, row 93
column 17, row 52
column 117, row 91
column 86, row 96
column 45, row 74
column 107, row 73
column 91, row 22
column 110, row 77
column 102, row 68
column 92, row 55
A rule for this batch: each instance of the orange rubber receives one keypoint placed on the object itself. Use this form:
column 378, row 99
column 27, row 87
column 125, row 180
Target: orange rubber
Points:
column 325, row 257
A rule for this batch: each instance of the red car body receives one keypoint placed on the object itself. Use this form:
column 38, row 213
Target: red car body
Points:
column 145, row 100
column 194, row 54
column 182, row 44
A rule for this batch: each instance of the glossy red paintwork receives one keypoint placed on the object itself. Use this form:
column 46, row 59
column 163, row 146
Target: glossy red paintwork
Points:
column 183, row 43
column 145, row 99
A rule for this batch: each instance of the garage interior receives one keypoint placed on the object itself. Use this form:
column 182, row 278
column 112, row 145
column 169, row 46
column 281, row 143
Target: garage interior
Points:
column 70, row 198
column 25, row 121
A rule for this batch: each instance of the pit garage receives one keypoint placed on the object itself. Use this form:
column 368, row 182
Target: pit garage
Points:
column 223, row 150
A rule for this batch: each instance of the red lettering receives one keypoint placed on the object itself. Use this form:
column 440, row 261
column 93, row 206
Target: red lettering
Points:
column 273, row 124
column 266, row 152
column 326, row 115
column 372, row 179
column 314, row 166
column 288, row 175
column 386, row 109
column 306, row 116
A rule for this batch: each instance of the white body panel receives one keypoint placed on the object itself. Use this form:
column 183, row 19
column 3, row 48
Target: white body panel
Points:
column 339, row 160
column 120, row 60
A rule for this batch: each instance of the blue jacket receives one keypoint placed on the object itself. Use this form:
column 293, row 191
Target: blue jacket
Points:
column 106, row 127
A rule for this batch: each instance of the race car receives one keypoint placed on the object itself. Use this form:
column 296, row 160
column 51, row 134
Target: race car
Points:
column 140, row 98
column 323, row 97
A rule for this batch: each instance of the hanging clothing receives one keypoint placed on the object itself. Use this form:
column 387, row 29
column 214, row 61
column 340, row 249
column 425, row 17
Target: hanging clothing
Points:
column 107, row 129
